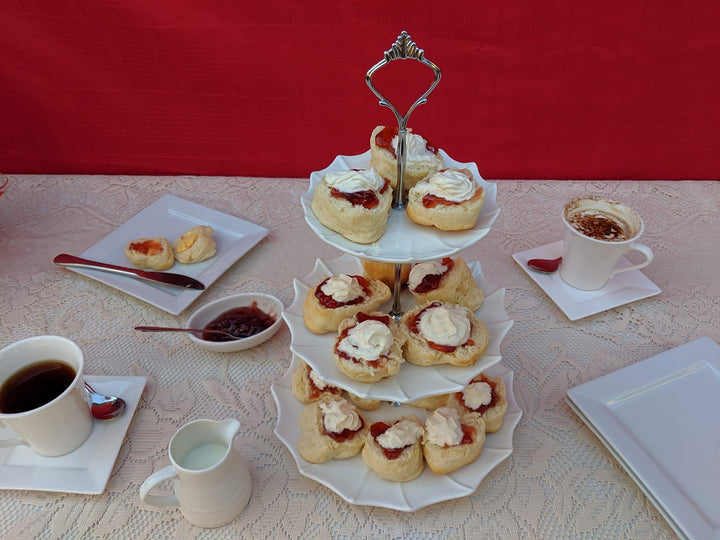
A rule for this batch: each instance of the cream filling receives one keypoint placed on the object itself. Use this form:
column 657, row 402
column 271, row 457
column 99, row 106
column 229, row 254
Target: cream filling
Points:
column 401, row 434
column 339, row 415
column 449, row 184
column 354, row 181
column 477, row 394
column 420, row 270
column 368, row 340
column 342, row 288
column 445, row 325
column 443, row 427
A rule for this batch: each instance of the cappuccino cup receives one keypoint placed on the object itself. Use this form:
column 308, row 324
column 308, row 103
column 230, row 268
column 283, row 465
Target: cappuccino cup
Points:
column 598, row 232
column 41, row 396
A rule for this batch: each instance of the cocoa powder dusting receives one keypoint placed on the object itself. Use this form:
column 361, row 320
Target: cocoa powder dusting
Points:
column 599, row 226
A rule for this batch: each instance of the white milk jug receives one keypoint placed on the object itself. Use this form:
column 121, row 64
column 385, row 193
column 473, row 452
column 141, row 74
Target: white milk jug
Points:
column 212, row 482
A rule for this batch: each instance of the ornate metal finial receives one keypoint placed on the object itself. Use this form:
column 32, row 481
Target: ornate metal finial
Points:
column 404, row 48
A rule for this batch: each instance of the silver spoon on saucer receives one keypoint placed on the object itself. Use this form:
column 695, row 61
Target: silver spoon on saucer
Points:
column 105, row 407
column 547, row 266
column 200, row 331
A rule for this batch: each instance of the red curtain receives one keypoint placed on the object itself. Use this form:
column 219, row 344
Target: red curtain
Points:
column 550, row 89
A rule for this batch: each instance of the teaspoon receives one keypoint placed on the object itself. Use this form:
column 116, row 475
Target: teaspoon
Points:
column 191, row 330
column 105, row 407
column 545, row 265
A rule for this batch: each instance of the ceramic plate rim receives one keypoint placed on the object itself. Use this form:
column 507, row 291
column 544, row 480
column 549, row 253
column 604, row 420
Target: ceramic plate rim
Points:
column 235, row 238
column 399, row 496
column 622, row 289
column 435, row 244
column 591, row 400
column 87, row 469
column 444, row 379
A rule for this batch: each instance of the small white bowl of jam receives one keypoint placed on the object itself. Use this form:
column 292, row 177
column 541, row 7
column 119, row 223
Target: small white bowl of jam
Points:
column 252, row 317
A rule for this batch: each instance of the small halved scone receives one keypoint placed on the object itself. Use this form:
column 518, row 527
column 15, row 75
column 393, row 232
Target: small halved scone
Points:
column 452, row 441
column 195, row 245
column 441, row 333
column 331, row 428
column 154, row 253
column 485, row 396
column 394, row 449
column 307, row 387
column 449, row 280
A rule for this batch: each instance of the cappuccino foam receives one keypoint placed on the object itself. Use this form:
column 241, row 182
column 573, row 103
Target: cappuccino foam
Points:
column 600, row 226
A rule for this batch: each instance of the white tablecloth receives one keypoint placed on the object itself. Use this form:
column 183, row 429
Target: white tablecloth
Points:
column 560, row 482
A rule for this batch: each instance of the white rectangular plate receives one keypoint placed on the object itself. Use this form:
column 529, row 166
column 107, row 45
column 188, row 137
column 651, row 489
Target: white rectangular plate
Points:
column 86, row 469
column 660, row 417
column 169, row 217
column 622, row 289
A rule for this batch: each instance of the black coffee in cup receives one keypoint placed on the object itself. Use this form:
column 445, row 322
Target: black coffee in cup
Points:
column 35, row 385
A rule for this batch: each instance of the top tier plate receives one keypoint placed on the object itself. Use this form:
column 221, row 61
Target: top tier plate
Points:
column 404, row 240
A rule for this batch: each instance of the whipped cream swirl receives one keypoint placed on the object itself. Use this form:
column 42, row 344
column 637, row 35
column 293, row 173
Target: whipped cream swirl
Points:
column 338, row 415
column 368, row 340
column 443, row 427
column 445, row 325
column 477, row 394
column 317, row 381
column 401, row 434
column 342, row 288
column 416, row 150
column 420, row 270
column 354, row 181
column 449, row 184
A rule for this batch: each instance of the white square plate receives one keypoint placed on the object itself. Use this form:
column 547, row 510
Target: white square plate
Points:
column 622, row 289
column 358, row 484
column 86, row 469
column 169, row 217
column 660, row 417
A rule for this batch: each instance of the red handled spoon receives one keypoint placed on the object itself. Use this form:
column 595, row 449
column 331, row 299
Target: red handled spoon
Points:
column 544, row 265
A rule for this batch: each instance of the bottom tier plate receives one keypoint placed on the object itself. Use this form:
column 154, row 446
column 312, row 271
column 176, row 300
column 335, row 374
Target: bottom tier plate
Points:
column 357, row 484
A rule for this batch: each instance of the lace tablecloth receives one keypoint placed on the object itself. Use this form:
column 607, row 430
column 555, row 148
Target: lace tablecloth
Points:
column 560, row 482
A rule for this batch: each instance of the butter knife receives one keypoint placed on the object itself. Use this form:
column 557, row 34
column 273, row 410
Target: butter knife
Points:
column 168, row 278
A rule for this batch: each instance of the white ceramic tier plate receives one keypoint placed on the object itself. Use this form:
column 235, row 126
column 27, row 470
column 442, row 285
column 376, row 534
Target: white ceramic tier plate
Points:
column 622, row 289
column 411, row 382
column 659, row 417
column 169, row 217
column 404, row 240
column 357, row 484
column 86, row 469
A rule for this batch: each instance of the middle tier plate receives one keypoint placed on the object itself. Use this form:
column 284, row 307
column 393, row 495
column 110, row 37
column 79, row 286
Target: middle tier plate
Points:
column 412, row 382
column 395, row 245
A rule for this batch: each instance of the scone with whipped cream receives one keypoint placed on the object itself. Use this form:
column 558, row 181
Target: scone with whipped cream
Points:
column 354, row 203
column 421, row 157
column 394, row 449
column 195, row 245
column 442, row 333
column 449, row 280
column 336, row 298
column 449, row 200
column 308, row 387
column 368, row 347
column 452, row 441
column 154, row 253
column 331, row 428
column 485, row 396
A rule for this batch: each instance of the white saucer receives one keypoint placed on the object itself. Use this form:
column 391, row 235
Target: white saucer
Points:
column 659, row 418
column 622, row 289
column 86, row 469
column 357, row 484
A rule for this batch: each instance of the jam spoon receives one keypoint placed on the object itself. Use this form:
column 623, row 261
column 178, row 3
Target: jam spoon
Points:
column 547, row 266
column 105, row 407
column 191, row 330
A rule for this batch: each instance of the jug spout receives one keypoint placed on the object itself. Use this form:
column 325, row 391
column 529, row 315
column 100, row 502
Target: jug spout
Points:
column 229, row 427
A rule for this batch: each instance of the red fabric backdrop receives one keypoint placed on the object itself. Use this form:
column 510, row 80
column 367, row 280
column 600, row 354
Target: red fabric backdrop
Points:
column 530, row 89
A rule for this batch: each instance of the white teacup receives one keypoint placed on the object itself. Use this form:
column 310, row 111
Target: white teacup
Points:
column 598, row 232
column 60, row 424
column 212, row 482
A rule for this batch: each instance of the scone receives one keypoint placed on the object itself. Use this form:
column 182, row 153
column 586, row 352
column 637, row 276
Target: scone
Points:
column 366, row 404
column 368, row 347
column 421, row 157
column 154, row 253
column 452, row 441
column 394, row 449
column 385, row 272
column 441, row 333
column 195, row 245
column 485, row 396
column 355, row 204
column 449, row 200
column 336, row 298
column 446, row 281
column 307, row 387
column 431, row 403
column 331, row 428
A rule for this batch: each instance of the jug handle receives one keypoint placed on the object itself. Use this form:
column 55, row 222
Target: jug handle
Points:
column 168, row 473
